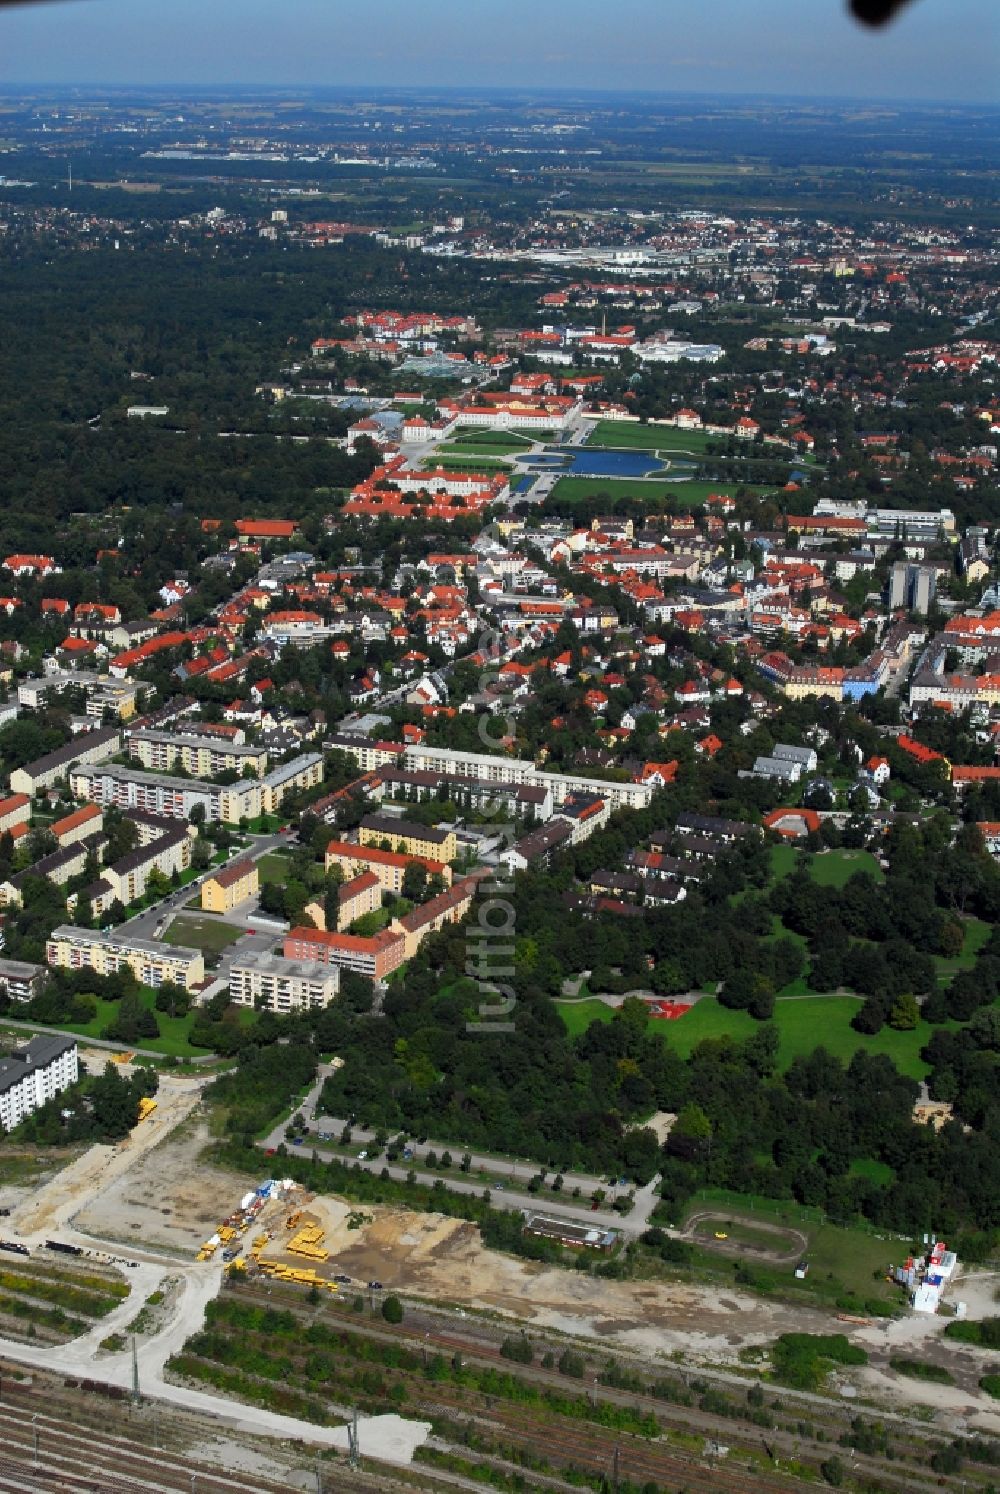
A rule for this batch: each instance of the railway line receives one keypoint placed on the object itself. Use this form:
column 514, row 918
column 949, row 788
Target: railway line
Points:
column 906, row 1479
column 85, row 1458
column 584, row 1447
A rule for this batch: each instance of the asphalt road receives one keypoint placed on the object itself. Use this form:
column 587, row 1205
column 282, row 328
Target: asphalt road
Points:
column 502, row 1173
column 142, row 925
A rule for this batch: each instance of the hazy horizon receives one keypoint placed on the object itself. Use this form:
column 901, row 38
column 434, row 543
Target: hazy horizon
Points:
column 939, row 51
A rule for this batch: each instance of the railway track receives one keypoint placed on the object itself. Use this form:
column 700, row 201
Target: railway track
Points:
column 906, row 1479
column 88, row 1459
column 588, row 1447
column 693, row 1475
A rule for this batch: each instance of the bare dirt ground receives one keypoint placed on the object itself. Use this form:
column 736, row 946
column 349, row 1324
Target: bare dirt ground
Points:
column 444, row 1261
column 920, row 1336
column 169, row 1199
column 57, row 1201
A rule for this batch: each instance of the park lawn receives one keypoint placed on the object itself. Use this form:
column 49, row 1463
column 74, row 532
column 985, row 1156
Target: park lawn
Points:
column 273, row 867
column 741, row 1234
column 853, row 1256
column 611, row 434
column 803, row 1023
column 975, row 937
column 499, row 441
column 876, row 1172
column 578, row 1015
column 173, row 1039
column 976, row 934
column 459, row 463
column 578, row 489
column 373, row 922
column 469, row 448
column 784, row 859
column 835, row 868
column 209, row 934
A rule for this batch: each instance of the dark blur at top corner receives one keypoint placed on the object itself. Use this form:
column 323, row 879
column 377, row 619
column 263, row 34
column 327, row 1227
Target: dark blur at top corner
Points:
column 876, row 12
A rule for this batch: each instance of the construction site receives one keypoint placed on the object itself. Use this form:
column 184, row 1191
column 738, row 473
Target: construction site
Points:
column 262, row 1217
column 171, row 1215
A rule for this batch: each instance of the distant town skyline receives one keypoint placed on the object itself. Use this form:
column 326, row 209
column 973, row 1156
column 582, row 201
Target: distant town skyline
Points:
column 939, row 50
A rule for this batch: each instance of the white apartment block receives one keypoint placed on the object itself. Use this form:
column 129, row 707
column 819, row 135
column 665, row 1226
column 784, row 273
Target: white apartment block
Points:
column 519, row 770
column 173, row 798
column 276, row 984
column 38, row 1072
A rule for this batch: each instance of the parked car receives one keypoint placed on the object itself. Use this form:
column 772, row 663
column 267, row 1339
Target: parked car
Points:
column 375, row 1286
column 362, row 1156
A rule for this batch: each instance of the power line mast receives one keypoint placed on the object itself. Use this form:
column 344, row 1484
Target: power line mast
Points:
column 353, row 1450
column 135, row 1373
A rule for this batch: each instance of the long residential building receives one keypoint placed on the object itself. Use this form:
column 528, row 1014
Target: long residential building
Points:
column 486, row 768
column 405, row 835
column 447, row 907
column 91, row 747
column 79, row 825
column 107, row 952
column 126, row 880
column 34, row 1074
column 173, row 798
column 388, row 866
column 511, row 798
column 58, row 867
column 15, row 812
column 275, row 984
column 201, row 756
column 302, row 772
column 375, row 956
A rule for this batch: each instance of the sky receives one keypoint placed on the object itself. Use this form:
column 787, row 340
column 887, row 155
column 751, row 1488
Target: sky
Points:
column 937, row 50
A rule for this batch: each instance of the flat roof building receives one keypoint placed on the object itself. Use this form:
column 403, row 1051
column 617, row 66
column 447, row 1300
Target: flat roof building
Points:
column 34, row 1074
column 106, row 952
column 276, row 984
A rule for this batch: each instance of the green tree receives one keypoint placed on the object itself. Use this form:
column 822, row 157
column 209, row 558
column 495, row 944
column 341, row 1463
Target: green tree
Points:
column 114, row 1106
column 905, row 1013
column 392, row 1309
